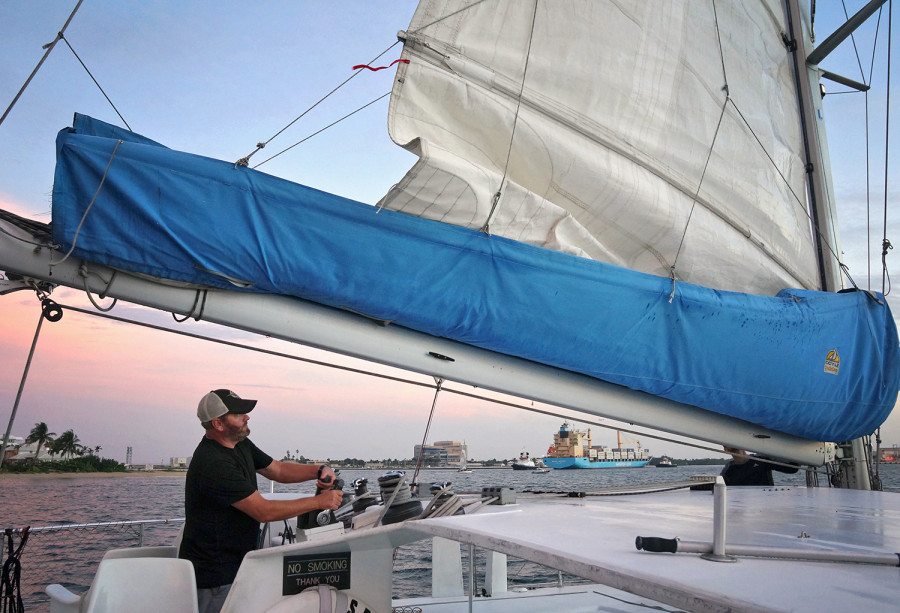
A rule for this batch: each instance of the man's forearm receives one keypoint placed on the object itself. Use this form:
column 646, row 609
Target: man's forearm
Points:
column 290, row 472
column 296, row 473
column 263, row 510
column 277, row 510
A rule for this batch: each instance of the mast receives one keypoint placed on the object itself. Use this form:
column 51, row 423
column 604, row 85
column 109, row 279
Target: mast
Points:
column 820, row 189
column 854, row 468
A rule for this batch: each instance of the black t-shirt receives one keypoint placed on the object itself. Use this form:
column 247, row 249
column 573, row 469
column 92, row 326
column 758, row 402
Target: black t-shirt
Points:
column 217, row 535
column 752, row 472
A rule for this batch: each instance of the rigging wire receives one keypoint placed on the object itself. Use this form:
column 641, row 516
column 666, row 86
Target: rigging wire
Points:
column 486, row 228
column 885, row 282
column 15, row 408
column 48, row 48
column 855, row 48
column 866, row 80
column 730, row 101
column 437, row 390
column 65, row 40
column 874, row 474
column 245, row 161
column 830, row 248
column 333, row 123
column 709, row 154
column 800, row 202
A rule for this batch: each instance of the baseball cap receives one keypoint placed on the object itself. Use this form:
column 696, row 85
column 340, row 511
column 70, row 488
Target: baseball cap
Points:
column 218, row 402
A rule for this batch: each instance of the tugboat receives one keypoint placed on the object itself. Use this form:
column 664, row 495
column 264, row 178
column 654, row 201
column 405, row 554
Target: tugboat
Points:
column 524, row 462
column 665, row 462
column 572, row 449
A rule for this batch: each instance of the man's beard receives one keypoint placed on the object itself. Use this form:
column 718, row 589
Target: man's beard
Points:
column 236, row 433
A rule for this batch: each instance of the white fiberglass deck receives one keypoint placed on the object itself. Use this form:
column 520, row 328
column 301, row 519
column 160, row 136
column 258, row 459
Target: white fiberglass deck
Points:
column 594, row 538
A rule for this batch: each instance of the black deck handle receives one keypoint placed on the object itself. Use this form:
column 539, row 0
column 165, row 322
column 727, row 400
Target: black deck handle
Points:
column 656, row 544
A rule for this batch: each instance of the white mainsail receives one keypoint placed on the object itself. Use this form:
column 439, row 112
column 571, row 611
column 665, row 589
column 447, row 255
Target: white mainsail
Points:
column 660, row 136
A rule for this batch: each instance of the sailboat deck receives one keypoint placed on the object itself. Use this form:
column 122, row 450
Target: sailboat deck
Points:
column 595, row 538
column 575, row 599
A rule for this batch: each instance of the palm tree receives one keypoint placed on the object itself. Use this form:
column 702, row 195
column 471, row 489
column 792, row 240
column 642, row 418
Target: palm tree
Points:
column 40, row 435
column 67, row 444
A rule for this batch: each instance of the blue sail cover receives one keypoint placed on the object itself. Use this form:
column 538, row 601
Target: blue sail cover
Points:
column 816, row 365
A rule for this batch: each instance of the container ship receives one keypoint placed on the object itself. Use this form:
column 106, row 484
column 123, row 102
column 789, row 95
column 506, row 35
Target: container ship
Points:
column 572, row 449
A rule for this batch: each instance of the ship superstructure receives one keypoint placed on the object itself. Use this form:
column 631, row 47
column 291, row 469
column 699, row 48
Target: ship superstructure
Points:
column 572, row 448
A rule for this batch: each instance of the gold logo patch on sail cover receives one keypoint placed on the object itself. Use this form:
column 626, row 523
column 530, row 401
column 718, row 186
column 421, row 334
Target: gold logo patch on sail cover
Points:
column 832, row 362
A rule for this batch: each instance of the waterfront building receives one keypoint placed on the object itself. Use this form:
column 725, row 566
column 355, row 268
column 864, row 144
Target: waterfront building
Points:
column 441, row 453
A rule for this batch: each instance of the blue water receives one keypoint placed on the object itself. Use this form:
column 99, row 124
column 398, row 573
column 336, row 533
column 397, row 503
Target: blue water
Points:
column 70, row 558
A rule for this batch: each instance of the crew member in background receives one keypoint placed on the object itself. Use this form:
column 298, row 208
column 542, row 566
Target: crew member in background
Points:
column 743, row 469
column 223, row 507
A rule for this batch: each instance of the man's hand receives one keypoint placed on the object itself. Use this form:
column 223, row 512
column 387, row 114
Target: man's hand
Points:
column 325, row 477
column 329, row 500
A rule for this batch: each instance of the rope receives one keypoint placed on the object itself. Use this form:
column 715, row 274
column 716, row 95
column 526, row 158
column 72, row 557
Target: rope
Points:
column 11, row 580
column 622, row 490
column 446, row 502
column 83, row 272
column 399, row 492
column 245, row 161
column 441, row 497
column 26, row 241
column 197, row 300
column 93, row 200
column 496, row 201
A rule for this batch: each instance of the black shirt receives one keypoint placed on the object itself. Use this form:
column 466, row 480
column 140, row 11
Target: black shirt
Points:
column 217, row 535
column 752, row 472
